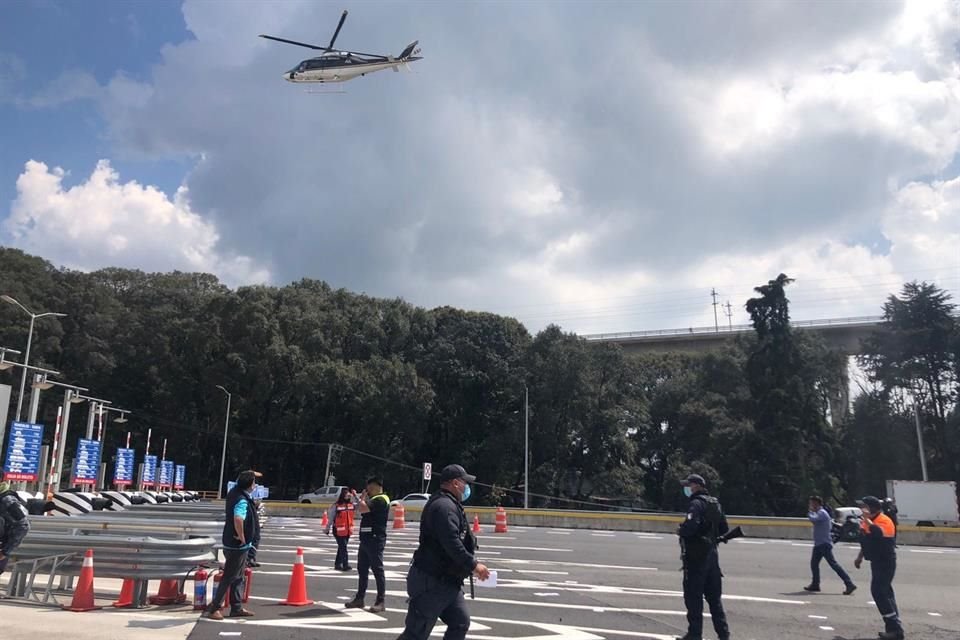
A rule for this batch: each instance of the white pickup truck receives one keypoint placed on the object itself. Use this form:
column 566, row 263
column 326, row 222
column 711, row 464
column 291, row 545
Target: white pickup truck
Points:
column 925, row 503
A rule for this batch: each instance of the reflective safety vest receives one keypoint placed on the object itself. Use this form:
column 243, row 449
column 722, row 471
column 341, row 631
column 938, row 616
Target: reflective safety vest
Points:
column 343, row 522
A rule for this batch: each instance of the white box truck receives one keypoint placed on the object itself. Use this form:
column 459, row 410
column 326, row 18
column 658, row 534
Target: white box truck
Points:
column 925, row 503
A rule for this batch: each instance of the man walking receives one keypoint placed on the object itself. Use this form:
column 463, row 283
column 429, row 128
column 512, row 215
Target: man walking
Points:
column 14, row 524
column 823, row 547
column 239, row 529
column 443, row 560
column 699, row 535
column 878, row 545
column 374, row 508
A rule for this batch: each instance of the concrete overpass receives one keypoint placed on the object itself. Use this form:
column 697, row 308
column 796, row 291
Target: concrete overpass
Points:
column 840, row 334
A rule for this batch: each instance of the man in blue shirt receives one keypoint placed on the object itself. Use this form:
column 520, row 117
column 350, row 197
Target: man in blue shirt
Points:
column 823, row 547
column 239, row 529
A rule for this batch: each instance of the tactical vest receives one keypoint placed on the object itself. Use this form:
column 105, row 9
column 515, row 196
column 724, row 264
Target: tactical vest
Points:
column 375, row 524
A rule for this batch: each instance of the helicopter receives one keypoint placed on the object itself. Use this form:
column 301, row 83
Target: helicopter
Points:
column 340, row 66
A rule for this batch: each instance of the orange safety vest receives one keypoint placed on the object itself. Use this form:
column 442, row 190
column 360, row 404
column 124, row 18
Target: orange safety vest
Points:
column 343, row 522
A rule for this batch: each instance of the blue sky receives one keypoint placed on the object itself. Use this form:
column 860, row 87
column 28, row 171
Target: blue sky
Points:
column 679, row 147
column 42, row 41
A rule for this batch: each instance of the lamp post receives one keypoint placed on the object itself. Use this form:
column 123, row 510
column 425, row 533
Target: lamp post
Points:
column 526, row 447
column 70, row 397
column 226, row 430
column 26, row 357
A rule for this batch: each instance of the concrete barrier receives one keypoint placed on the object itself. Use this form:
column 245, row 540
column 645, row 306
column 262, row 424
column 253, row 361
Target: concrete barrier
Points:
column 753, row 527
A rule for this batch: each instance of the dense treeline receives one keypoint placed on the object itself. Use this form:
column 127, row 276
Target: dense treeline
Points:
column 397, row 385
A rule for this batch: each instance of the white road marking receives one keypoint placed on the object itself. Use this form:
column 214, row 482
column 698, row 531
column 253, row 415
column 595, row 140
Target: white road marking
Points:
column 937, row 551
column 559, row 533
column 604, row 535
column 555, row 573
column 934, row 614
column 801, row 544
column 545, row 594
column 818, row 617
column 749, row 542
column 231, row 633
column 827, row 628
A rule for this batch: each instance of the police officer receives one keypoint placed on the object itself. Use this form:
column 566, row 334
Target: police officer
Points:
column 14, row 524
column 878, row 545
column 443, row 560
column 239, row 529
column 699, row 535
column 374, row 507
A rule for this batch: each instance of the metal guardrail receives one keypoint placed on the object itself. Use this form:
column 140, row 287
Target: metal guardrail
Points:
column 117, row 523
column 857, row 321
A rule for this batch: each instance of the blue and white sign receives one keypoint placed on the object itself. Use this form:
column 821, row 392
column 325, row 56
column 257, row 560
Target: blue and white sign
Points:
column 166, row 473
column 124, row 468
column 149, row 471
column 87, row 465
column 23, row 452
column 259, row 493
column 180, row 477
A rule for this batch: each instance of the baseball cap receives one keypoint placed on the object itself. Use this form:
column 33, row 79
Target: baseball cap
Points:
column 871, row 501
column 455, row 472
column 694, row 478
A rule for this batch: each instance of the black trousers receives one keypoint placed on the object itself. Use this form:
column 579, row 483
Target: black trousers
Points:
column 704, row 580
column 370, row 558
column 825, row 552
column 10, row 540
column 343, row 557
column 881, row 588
column 432, row 598
column 236, row 562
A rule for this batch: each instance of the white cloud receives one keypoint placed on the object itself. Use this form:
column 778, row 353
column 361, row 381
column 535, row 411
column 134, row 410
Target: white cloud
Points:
column 105, row 222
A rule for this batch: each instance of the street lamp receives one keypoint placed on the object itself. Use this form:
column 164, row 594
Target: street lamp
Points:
column 26, row 357
column 4, row 365
column 223, row 456
column 526, row 447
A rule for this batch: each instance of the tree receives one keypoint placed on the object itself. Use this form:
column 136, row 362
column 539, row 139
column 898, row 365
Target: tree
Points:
column 915, row 358
column 792, row 454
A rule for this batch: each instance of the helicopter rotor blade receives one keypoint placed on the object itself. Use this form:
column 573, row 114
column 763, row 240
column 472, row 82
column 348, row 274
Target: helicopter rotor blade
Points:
column 294, row 42
column 343, row 18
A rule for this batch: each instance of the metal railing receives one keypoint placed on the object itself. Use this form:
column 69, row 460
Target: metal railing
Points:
column 852, row 322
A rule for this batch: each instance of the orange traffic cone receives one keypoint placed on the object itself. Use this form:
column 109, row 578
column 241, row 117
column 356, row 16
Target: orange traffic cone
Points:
column 325, row 520
column 501, row 521
column 126, row 594
column 168, row 593
column 398, row 520
column 476, row 524
column 297, row 594
column 83, row 594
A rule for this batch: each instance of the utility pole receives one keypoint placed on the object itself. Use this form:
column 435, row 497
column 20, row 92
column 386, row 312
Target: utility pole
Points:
column 728, row 310
column 916, row 416
column 526, row 447
column 716, row 318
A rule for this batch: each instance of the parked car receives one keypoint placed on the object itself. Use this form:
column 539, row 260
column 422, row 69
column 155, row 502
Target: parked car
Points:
column 323, row 495
column 846, row 524
column 412, row 500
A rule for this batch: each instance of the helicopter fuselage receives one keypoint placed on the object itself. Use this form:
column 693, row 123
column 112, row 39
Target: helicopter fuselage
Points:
column 340, row 68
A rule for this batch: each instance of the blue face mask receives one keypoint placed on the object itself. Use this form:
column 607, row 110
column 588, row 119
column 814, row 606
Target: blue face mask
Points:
column 467, row 492
column 687, row 491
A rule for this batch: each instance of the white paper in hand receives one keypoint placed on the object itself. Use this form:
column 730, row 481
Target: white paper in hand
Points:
column 489, row 582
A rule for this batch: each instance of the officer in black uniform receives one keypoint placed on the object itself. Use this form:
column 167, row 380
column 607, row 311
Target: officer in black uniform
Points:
column 374, row 507
column 699, row 535
column 443, row 560
column 14, row 524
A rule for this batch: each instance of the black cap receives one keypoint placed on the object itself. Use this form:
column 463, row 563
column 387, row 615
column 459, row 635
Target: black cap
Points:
column 455, row 472
column 871, row 501
column 694, row 478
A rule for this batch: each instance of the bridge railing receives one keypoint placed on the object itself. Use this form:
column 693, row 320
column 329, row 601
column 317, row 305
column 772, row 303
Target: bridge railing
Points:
column 856, row 321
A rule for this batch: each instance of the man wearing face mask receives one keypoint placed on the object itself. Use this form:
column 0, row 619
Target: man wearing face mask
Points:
column 699, row 535
column 444, row 559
